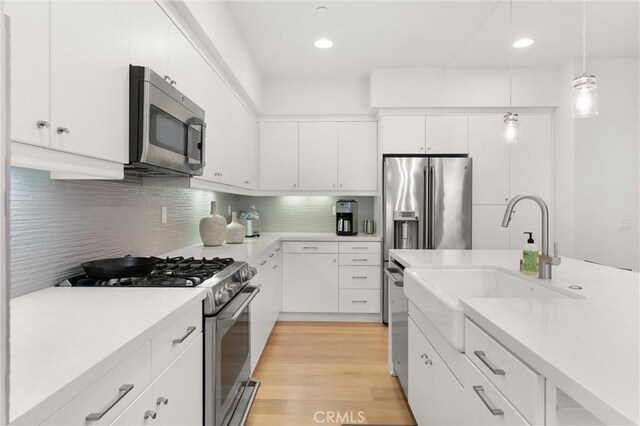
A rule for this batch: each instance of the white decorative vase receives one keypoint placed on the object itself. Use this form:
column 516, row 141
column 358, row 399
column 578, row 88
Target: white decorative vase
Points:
column 235, row 231
column 213, row 228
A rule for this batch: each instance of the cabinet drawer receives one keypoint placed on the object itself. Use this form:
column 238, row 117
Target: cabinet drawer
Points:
column 480, row 397
column 309, row 247
column 521, row 385
column 356, row 247
column 360, row 277
column 173, row 339
column 360, row 259
column 361, row 301
column 119, row 387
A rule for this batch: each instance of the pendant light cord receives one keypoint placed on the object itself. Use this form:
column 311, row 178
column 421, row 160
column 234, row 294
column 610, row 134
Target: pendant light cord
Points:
column 510, row 52
column 584, row 37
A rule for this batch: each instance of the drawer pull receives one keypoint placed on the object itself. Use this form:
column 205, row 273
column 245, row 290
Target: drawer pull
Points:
column 359, row 278
column 162, row 400
column 272, row 254
column 483, row 357
column 150, row 413
column 278, row 249
column 187, row 334
column 479, row 390
column 360, row 260
column 358, row 301
column 275, row 266
column 360, row 248
column 309, row 248
column 122, row 392
column 264, row 262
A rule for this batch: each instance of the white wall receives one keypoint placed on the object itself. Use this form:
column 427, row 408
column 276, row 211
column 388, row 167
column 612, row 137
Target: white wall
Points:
column 231, row 52
column 4, row 255
column 308, row 96
column 606, row 155
column 462, row 87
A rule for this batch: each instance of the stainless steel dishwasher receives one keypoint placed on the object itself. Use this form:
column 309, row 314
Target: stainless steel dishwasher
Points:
column 398, row 323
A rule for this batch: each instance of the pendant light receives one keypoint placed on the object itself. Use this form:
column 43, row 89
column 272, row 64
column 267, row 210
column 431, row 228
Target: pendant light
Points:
column 510, row 125
column 584, row 91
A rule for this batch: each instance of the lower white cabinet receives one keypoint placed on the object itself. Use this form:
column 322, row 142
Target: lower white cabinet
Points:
column 435, row 394
column 175, row 397
column 310, row 282
column 265, row 307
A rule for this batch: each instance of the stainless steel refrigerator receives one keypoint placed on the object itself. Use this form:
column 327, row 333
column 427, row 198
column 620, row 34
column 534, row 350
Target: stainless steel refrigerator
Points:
column 427, row 205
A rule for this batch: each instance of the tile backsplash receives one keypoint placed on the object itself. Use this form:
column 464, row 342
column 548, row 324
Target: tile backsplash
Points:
column 302, row 213
column 56, row 225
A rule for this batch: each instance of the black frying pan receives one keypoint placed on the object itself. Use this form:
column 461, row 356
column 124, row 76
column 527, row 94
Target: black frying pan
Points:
column 120, row 267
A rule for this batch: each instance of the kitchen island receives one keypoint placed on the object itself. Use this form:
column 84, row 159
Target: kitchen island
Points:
column 586, row 346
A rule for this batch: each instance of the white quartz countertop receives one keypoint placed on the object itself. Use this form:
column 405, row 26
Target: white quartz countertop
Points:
column 254, row 246
column 63, row 339
column 587, row 347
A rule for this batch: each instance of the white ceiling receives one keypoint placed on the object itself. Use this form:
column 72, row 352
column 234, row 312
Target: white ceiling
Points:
column 374, row 34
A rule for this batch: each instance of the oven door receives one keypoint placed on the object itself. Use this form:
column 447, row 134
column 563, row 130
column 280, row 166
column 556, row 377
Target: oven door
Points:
column 173, row 136
column 227, row 358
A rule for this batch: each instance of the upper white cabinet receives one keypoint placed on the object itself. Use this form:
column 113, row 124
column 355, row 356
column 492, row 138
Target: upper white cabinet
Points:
column 447, row 134
column 357, row 140
column 490, row 160
column 150, row 36
column 279, row 156
column 90, row 78
column 425, row 135
column 403, row 134
column 29, row 71
column 318, row 156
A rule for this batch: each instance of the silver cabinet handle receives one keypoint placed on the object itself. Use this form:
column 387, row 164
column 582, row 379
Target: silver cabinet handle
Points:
column 275, row 266
column 479, row 390
column 162, row 400
column 483, row 357
column 427, row 360
column 263, row 263
column 360, row 248
column 122, row 392
column 359, row 278
column 173, row 82
column 43, row 124
column 360, row 260
column 150, row 413
column 309, row 248
column 278, row 249
column 61, row 130
column 247, row 182
column 167, row 78
column 358, row 301
column 272, row 254
column 294, row 185
column 187, row 334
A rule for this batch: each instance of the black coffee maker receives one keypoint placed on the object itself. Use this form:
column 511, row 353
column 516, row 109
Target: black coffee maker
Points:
column 347, row 217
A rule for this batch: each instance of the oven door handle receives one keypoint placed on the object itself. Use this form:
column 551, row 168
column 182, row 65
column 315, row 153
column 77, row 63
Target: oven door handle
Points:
column 236, row 315
column 195, row 121
column 391, row 274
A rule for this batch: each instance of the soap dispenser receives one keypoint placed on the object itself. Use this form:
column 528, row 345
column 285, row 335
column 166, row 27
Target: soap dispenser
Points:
column 530, row 256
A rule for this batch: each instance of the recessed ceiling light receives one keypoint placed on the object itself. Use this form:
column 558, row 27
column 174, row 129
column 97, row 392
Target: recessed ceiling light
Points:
column 323, row 43
column 322, row 9
column 523, row 42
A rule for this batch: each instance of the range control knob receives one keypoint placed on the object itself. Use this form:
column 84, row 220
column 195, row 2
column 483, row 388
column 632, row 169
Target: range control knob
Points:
column 251, row 272
column 221, row 297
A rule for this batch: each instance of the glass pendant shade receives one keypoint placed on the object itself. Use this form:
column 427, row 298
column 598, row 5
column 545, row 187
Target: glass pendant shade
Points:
column 584, row 96
column 510, row 128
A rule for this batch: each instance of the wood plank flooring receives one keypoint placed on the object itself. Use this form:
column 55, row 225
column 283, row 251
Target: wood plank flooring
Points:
column 327, row 373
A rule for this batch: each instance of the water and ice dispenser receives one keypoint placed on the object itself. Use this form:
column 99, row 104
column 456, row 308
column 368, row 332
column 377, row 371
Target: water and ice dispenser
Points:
column 406, row 229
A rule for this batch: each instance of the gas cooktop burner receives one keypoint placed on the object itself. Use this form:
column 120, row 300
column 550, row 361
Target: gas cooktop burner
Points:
column 168, row 272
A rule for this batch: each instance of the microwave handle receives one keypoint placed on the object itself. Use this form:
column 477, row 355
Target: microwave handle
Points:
column 195, row 121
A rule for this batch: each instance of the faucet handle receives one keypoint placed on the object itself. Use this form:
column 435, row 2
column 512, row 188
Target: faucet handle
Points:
column 555, row 259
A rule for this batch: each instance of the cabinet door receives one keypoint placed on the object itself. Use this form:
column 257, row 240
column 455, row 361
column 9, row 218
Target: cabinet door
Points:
column 29, row 70
column 447, row 134
column 239, row 154
column 310, row 283
column 358, row 156
column 490, row 160
column 279, row 156
column 318, row 157
column 182, row 386
column 259, row 312
column 187, row 68
column 488, row 233
column 90, row 78
column 434, row 392
column 150, row 36
column 403, row 134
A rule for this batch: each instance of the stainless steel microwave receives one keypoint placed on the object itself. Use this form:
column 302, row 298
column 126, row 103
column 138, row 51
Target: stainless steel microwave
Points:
column 167, row 130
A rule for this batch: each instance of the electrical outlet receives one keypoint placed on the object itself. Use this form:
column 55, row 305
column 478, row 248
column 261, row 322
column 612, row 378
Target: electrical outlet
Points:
column 163, row 215
column 624, row 223
column 333, row 210
column 229, row 210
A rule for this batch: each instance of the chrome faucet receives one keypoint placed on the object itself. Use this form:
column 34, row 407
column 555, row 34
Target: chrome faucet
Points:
column 545, row 261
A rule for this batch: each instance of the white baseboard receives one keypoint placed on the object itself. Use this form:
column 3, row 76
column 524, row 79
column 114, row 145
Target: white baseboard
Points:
column 328, row 317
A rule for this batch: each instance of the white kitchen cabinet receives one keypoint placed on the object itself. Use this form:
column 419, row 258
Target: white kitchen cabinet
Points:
column 357, row 156
column 90, row 78
column 531, row 158
column 150, row 36
column 318, row 156
column 279, row 156
column 435, row 394
column 265, row 307
column 29, row 71
column 403, row 134
column 310, row 282
column 490, row 160
column 487, row 230
column 447, row 134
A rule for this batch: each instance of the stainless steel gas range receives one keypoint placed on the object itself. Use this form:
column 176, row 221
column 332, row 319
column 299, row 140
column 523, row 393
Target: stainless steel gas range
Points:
column 229, row 389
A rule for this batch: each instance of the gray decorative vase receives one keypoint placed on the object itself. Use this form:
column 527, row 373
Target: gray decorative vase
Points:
column 213, row 228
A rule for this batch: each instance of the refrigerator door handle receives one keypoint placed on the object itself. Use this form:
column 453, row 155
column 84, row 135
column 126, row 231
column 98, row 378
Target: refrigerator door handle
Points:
column 430, row 219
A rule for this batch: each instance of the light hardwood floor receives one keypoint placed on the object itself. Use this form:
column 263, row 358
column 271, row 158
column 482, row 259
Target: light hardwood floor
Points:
column 327, row 373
